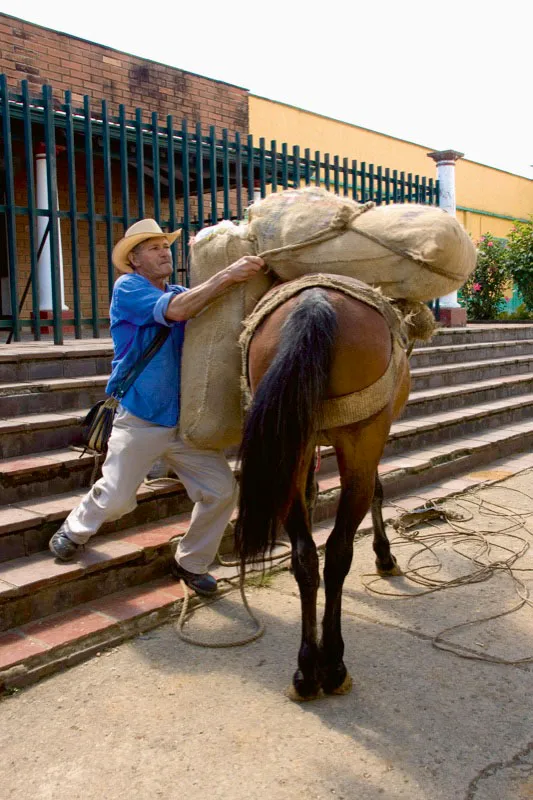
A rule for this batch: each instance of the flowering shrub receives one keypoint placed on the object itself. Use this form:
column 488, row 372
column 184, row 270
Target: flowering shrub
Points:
column 482, row 294
column 519, row 257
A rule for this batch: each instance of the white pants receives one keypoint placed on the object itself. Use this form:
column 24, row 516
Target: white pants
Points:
column 133, row 447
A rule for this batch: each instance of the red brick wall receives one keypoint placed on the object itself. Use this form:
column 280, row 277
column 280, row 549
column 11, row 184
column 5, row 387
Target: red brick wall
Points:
column 41, row 56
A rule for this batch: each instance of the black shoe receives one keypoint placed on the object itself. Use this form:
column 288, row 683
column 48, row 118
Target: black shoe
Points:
column 204, row 583
column 62, row 547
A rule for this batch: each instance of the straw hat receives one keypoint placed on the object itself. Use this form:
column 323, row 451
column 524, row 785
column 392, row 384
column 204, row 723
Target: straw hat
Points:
column 137, row 233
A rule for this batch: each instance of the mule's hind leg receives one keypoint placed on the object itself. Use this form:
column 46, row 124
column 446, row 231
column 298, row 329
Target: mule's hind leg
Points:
column 386, row 563
column 306, row 683
column 353, row 503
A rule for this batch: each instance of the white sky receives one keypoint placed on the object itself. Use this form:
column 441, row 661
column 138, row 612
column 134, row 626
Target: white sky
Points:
column 442, row 74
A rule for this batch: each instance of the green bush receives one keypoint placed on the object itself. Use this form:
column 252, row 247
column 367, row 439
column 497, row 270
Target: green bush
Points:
column 522, row 312
column 482, row 294
column 519, row 258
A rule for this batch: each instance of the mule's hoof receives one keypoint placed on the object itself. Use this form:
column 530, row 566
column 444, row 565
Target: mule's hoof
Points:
column 389, row 573
column 296, row 697
column 345, row 687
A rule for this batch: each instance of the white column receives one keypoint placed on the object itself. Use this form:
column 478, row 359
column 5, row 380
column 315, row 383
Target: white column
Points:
column 445, row 160
column 44, row 265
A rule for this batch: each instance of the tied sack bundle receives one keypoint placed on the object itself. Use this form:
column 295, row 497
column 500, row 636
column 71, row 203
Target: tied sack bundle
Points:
column 409, row 251
column 211, row 414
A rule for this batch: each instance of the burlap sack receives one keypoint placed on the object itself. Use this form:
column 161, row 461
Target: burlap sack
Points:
column 410, row 251
column 211, row 413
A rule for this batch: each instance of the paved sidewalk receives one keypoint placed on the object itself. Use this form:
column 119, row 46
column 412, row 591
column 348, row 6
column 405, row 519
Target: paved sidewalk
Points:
column 156, row 718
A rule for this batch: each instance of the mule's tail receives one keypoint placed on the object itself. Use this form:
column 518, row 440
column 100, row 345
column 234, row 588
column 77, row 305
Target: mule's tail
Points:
column 281, row 424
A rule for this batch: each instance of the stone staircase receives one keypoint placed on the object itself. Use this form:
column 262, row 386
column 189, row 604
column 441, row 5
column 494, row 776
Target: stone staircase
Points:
column 471, row 407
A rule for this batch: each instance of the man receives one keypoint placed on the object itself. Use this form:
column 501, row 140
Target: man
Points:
column 145, row 425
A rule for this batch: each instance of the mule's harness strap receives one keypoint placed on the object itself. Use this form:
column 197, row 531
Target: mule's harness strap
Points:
column 364, row 403
column 358, row 405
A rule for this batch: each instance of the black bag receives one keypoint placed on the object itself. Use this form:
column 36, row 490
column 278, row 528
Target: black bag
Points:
column 99, row 420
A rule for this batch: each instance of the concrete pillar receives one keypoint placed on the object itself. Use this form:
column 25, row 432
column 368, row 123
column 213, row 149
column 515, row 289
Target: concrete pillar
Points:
column 451, row 313
column 44, row 265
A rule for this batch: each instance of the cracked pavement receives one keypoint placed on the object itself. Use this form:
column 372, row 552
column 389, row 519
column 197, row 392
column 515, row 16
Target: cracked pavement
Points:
column 157, row 718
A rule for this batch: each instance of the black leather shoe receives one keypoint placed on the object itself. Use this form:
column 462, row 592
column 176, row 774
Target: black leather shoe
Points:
column 62, row 547
column 204, row 583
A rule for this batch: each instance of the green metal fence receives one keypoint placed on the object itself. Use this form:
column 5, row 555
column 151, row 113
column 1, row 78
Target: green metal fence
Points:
column 105, row 172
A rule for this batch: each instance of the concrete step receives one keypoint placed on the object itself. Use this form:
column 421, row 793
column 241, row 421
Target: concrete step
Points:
column 53, row 394
column 30, row 650
column 436, row 355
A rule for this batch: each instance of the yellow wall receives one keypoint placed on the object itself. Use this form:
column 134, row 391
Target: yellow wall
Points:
column 478, row 187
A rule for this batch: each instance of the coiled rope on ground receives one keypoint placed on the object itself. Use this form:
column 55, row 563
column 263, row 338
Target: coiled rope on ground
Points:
column 490, row 557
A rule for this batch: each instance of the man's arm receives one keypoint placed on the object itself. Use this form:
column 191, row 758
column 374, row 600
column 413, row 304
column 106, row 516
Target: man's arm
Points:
column 186, row 305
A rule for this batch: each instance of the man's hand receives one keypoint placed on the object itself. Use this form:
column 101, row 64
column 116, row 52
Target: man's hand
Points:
column 186, row 305
column 244, row 269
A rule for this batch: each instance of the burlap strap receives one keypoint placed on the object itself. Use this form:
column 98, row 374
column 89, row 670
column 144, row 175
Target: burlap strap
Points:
column 354, row 407
column 358, row 405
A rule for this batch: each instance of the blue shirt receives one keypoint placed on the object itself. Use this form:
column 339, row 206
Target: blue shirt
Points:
column 137, row 313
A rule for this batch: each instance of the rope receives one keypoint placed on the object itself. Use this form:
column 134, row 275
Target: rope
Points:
column 259, row 626
column 339, row 223
column 502, row 561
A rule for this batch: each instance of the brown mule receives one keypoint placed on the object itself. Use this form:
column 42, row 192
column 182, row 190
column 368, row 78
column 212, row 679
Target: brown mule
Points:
column 318, row 345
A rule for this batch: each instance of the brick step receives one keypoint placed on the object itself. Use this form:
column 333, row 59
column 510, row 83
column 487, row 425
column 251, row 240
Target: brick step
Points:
column 455, row 397
column 31, row 650
column 25, row 361
column 39, row 361
column 464, row 423
column 435, row 355
column 54, row 394
column 44, row 474
column 26, row 527
column 65, row 470
column 484, row 332
column 67, row 363
column 419, row 446
column 30, row 433
column 469, row 372
column 51, row 394
column 34, row 433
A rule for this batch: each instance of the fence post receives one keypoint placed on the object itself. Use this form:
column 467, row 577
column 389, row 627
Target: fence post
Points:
column 451, row 313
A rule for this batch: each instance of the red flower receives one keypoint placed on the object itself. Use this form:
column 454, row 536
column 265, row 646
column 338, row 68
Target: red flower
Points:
column 490, row 244
column 476, row 287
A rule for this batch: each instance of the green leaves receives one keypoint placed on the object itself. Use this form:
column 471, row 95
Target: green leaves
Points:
column 483, row 293
column 519, row 257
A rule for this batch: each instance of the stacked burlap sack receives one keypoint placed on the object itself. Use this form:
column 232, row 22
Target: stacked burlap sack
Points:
column 410, row 252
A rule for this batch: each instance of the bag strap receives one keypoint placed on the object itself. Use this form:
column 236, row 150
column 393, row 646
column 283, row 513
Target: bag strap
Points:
column 153, row 348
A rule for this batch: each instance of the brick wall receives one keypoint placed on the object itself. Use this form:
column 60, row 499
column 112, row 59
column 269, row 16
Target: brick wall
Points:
column 40, row 56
